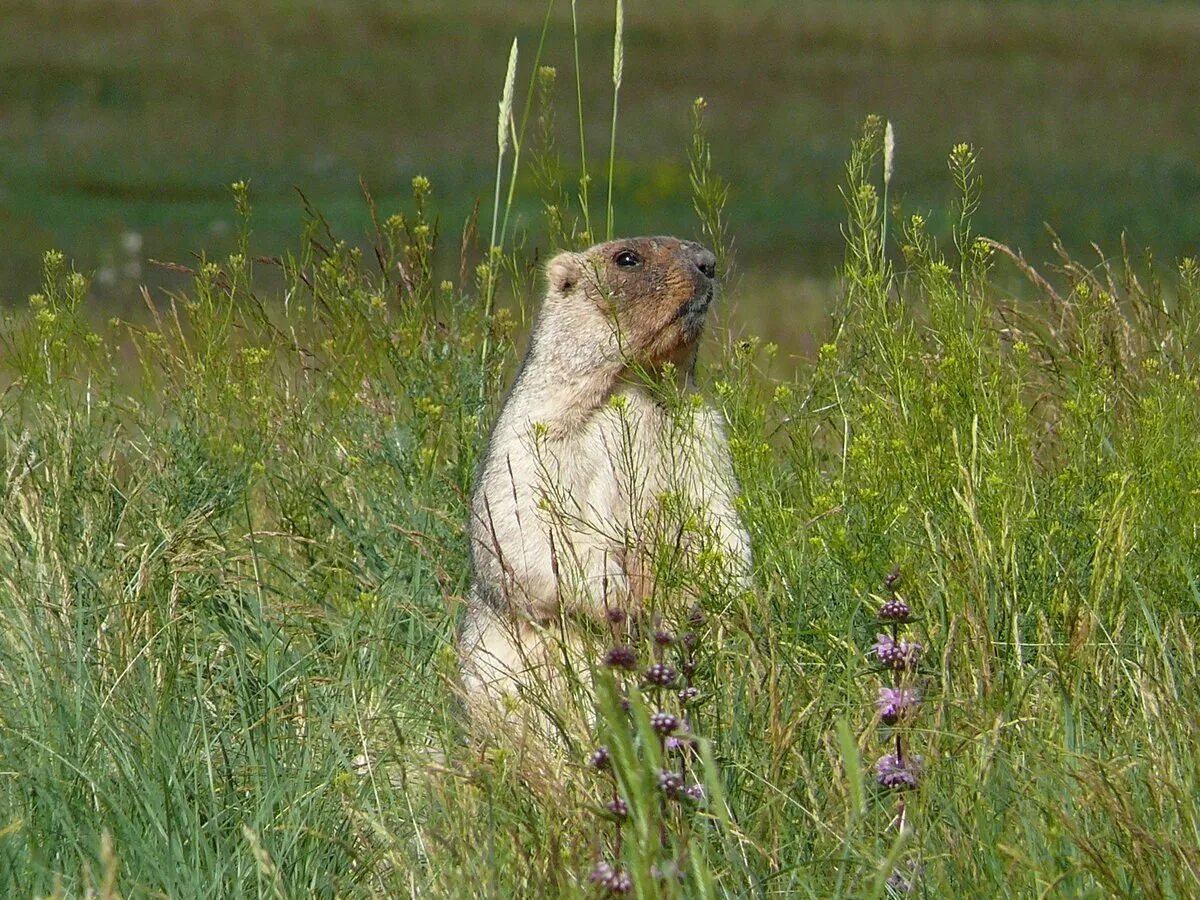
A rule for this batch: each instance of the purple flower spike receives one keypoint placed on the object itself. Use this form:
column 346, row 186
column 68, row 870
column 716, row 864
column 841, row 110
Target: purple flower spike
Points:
column 664, row 638
column 681, row 739
column 895, row 703
column 688, row 694
column 895, row 610
column 599, row 758
column 620, row 883
column 695, row 792
column 663, row 722
column 896, row 654
column 660, row 675
column 615, row 615
column 618, row 807
column 613, row 880
column 896, row 773
column 621, row 658
column 670, row 783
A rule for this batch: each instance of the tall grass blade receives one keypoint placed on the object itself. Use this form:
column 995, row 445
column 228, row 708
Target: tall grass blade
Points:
column 504, row 132
column 584, row 177
column 618, row 71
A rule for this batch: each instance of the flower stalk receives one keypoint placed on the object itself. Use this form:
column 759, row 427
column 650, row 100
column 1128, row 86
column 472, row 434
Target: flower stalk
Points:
column 647, row 761
column 897, row 702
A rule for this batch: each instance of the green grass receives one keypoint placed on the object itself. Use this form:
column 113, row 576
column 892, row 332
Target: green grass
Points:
column 232, row 560
column 137, row 116
column 232, row 553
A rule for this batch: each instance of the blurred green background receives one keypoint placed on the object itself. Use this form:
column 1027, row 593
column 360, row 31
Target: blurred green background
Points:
column 123, row 123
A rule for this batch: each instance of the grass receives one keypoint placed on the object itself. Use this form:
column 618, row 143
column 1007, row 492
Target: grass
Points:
column 232, row 561
column 137, row 121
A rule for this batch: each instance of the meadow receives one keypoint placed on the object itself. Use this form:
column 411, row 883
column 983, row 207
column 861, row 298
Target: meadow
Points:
column 126, row 116
column 232, row 561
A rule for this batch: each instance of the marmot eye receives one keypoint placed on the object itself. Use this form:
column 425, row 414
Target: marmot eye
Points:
column 627, row 259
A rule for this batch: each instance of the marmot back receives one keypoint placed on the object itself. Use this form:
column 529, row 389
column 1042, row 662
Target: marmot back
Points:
column 568, row 498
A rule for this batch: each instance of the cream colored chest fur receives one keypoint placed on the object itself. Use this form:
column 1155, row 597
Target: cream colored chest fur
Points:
column 559, row 520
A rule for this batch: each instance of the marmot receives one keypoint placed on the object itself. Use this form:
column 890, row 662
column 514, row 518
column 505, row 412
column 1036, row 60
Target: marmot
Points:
column 567, row 509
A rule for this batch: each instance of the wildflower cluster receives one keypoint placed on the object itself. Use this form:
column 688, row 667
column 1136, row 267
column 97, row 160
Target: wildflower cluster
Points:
column 664, row 756
column 897, row 701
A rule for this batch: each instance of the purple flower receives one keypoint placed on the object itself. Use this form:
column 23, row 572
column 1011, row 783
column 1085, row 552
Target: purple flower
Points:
column 613, row 880
column 688, row 694
column 894, row 703
column 621, row 658
column 895, row 610
column 661, row 675
column 664, row 722
column 615, row 615
column 689, row 668
column 620, row 883
column 664, row 638
column 682, row 738
column 892, row 579
column 896, row 654
column 695, row 792
column 670, row 783
column 898, row 773
column 601, row 872
column 599, row 758
column 691, row 639
column 618, row 808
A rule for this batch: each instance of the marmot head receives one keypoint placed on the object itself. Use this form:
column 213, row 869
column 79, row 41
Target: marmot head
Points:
column 638, row 300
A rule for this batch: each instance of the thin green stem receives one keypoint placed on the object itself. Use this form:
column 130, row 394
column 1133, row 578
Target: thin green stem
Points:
column 519, row 133
column 612, row 152
column 504, row 132
column 618, row 72
column 583, row 177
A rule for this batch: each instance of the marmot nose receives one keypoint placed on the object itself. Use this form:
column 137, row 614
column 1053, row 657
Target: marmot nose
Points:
column 705, row 259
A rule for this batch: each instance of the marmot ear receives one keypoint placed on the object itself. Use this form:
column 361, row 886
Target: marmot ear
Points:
column 563, row 272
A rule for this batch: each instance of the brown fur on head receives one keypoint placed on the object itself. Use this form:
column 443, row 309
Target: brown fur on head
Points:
column 643, row 299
